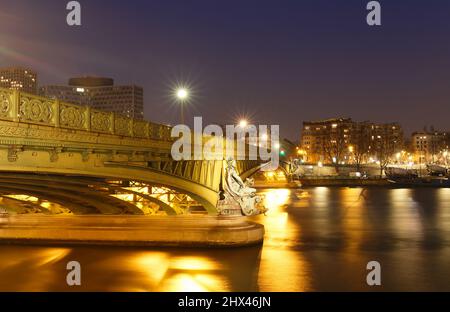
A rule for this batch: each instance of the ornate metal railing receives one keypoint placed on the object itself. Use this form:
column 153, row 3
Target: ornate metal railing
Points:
column 27, row 108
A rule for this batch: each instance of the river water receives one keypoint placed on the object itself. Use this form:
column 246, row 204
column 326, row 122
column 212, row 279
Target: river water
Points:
column 317, row 239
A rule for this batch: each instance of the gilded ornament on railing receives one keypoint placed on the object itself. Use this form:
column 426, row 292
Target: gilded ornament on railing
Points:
column 163, row 132
column 40, row 110
column 166, row 133
column 140, row 128
column 122, row 125
column 35, row 110
column 71, row 116
column 100, row 121
column 5, row 104
column 160, row 131
column 152, row 130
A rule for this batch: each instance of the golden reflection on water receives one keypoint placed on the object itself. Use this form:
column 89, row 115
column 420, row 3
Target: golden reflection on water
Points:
column 276, row 219
column 192, row 282
column 164, row 271
column 31, row 272
column 444, row 195
column 315, row 238
column 405, row 212
column 353, row 201
column 321, row 196
column 193, row 273
column 274, row 199
column 152, row 265
column 281, row 267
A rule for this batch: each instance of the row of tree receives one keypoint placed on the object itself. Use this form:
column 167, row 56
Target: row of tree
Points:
column 360, row 142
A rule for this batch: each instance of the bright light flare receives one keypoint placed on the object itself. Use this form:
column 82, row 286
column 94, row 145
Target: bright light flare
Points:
column 243, row 123
column 182, row 94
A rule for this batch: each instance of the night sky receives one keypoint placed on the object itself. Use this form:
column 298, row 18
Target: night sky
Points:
column 278, row 62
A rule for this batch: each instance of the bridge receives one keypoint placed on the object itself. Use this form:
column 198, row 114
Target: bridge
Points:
column 57, row 157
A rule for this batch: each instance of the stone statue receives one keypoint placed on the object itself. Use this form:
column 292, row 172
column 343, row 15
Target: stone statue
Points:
column 294, row 165
column 239, row 192
column 295, row 169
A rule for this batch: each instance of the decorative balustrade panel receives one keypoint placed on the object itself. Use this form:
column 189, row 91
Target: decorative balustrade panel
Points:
column 101, row 121
column 6, row 103
column 165, row 133
column 72, row 116
column 36, row 109
column 122, row 125
column 28, row 108
column 140, row 128
column 152, row 131
column 159, row 132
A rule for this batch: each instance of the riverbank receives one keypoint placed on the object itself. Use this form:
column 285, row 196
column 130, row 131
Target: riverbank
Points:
column 174, row 231
column 343, row 181
column 276, row 185
column 384, row 182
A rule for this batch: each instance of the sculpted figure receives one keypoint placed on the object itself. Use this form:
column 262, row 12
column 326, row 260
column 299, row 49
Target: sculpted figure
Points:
column 240, row 192
column 295, row 169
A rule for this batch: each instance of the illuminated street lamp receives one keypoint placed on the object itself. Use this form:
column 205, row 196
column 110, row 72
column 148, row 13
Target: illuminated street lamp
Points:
column 182, row 95
column 243, row 123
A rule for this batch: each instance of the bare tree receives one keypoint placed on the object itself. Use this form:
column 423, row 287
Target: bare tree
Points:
column 335, row 144
column 360, row 143
column 384, row 148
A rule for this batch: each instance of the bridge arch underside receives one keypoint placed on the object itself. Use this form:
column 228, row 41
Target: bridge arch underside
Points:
column 59, row 191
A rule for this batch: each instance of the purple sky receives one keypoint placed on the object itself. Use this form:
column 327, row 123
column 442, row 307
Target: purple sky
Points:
column 278, row 62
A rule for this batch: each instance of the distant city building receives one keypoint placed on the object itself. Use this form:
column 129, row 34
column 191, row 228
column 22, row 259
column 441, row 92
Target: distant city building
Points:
column 430, row 146
column 18, row 78
column 315, row 135
column 100, row 93
column 343, row 141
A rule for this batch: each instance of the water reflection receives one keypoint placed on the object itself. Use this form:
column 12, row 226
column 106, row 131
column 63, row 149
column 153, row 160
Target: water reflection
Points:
column 29, row 268
column 405, row 213
column 316, row 239
column 282, row 268
column 353, row 202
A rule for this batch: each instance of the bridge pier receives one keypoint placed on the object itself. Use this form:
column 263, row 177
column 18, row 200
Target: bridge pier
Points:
column 176, row 231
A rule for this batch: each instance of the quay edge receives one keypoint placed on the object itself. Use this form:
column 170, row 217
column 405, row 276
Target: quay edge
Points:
column 156, row 231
